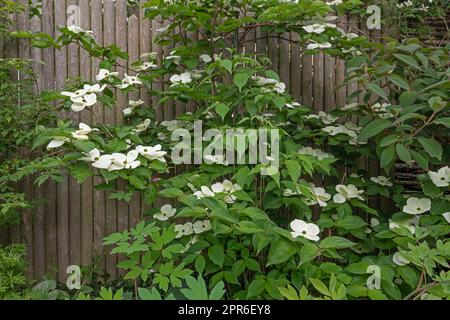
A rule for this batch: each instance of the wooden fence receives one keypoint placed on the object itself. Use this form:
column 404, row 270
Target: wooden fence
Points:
column 68, row 228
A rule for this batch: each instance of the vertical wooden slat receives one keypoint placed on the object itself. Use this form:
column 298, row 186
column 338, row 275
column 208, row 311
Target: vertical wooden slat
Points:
column 295, row 68
column 87, row 223
column 273, row 50
column 133, row 52
column 62, row 192
column 306, row 84
column 284, row 63
column 50, row 189
column 145, row 38
column 27, row 218
column 39, row 219
column 341, row 94
column 74, row 187
column 157, row 24
column 109, row 37
column 109, row 263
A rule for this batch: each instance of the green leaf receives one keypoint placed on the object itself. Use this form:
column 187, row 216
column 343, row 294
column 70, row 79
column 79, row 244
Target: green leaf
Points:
column 308, row 252
column 432, row 147
column 289, row 292
column 294, row 169
column 387, row 141
column 374, row 128
column 240, row 80
column 217, row 292
column 320, row 286
column 403, row 153
column 387, row 156
column 137, row 182
column 350, row 223
column 443, row 121
column 227, row 64
column 408, row 60
column 336, row 243
column 222, row 110
column 216, row 254
column 171, row 193
column 421, row 160
column 81, row 172
column 377, row 90
column 280, row 251
column 256, row 287
column 399, row 81
column 146, row 294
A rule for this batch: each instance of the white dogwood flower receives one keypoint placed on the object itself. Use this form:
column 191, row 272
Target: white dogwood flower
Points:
column 317, row 153
column 92, row 156
column 289, row 193
column 204, row 192
column 128, row 81
column 309, row 231
column 345, row 193
column 226, row 187
column 103, row 162
column 57, row 142
column 96, row 88
column 382, row 181
column 408, row 224
column 441, row 178
column 279, row 87
column 206, row 58
column 133, row 105
column 142, row 126
column 417, row 206
column 315, row 28
column 399, row 259
column 320, row 197
column 78, row 30
column 83, row 132
column 146, row 66
column 184, row 229
column 152, row 153
column 313, row 46
column 120, row 161
column 105, row 74
column 183, row 78
column 166, row 212
column 202, row 226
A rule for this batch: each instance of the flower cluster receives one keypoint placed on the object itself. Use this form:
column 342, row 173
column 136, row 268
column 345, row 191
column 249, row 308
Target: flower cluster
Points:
column 226, row 187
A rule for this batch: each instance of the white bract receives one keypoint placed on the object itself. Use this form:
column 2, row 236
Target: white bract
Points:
column 409, row 224
column 152, row 153
column 345, row 193
column 184, row 229
column 146, row 66
column 142, row 126
column 315, row 28
column 399, row 259
column 167, row 212
column 417, row 206
column 206, row 58
column 446, row 216
column 120, row 161
column 309, row 231
column 83, row 132
column 320, row 197
column 105, row 74
column 202, row 226
column 183, row 78
column 133, row 105
column 128, row 81
column 226, row 187
column 313, row 46
column 92, row 156
column 382, row 181
column 81, row 99
column 289, row 193
column 441, row 178
column 317, row 153
column 78, row 30
column 57, row 142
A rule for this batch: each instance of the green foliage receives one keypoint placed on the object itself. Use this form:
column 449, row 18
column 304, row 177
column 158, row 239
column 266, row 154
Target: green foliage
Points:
column 223, row 235
column 12, row 272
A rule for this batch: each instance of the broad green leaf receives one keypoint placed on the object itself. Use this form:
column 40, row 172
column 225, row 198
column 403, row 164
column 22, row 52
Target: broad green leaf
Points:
column 373, row 128
column 240, row 80
column 403, row 153
column 399, row 81
column 294, row 169
column 408, row 60
column 280, row 251
column 377, row 90
column 256, row 287
column 216, row 254
column 320, row 286
column 335, row 242
column 432, row 147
